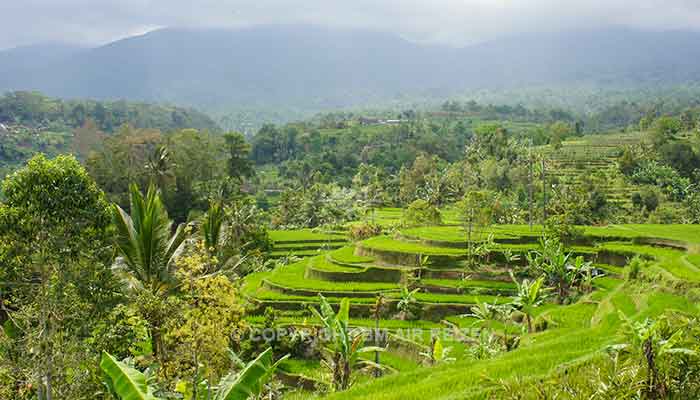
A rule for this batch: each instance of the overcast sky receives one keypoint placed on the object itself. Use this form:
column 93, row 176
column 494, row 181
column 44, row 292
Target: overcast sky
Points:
column 454, row 22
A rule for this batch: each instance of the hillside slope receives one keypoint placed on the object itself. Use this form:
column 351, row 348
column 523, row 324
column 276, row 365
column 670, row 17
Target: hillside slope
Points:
column 314, row 67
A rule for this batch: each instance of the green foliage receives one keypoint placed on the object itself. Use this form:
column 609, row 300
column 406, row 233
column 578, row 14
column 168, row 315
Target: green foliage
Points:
column 663, row 130
column 665, row 177
column 530, row 294
column 420, row 213
column 635, row 267
column 55, row 196
column 34, row 109
column 317, row 206
column 125, row 382
column 438, row 353
column 249, row 382
column 364, row 231
column 144, row 240
column 561, row 270
column 123, row 333
column 197, row 338
column 561, row 228
column 238, row 164
column 55, row 281
column 344, row 346
column 647, row 200
column 408, row 307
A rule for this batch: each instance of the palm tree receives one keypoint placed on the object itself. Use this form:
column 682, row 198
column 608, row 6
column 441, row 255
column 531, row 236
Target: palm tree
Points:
column 344, row 347
column 160, row 167
column 145, row 242
column 214, row 234
column 530, row 295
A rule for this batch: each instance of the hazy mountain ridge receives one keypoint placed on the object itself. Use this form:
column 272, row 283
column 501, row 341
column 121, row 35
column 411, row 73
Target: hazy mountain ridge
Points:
column 312, row 67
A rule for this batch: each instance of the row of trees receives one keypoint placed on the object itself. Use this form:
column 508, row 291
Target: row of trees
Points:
column 188, row 166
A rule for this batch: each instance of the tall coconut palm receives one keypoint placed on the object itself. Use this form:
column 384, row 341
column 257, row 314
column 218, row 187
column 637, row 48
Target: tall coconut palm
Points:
column 148, row 246
column 529, row 296
column 160, row 167
column 146, row 241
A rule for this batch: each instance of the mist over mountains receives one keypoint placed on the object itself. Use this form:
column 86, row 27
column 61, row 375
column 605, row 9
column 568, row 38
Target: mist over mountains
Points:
column 321, row 68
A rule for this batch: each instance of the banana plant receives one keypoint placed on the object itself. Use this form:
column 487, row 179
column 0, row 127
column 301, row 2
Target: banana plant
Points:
column 408, row 306
column 127, row 383
column 438, row 354
column 529, row 296
column 343, row 346
column 485, row 314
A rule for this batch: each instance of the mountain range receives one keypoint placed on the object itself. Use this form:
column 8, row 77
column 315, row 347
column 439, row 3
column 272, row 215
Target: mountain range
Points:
column 321, row 68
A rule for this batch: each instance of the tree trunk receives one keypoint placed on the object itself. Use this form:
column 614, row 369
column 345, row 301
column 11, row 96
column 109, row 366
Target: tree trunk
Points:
column 657, row 389
column 529, row 323
column 346, row 374
column 337, row 372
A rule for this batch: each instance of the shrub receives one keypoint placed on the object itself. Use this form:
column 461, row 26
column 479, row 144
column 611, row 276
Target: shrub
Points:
column 419, row 213
column 634, row 267
column 541, row 324
column 560, row 227
column 667, row 214
column 364, row 231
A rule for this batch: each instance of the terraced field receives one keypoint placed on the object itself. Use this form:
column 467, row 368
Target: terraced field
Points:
column 448, row 290
column 304, row 242
column 592, row 157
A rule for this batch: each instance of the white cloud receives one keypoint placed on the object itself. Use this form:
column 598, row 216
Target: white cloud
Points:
column 455, row 22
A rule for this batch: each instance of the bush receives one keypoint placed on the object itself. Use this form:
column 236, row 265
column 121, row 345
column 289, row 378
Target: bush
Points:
column 667, row 214
column 420, row 213
column 541, row 324
column 560, row 227
column 634, row 267
column 364, row 231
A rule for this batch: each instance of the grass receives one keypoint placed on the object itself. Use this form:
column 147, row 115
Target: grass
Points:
column 672, row 261
column 292, row 276
column 293, row 246
column 347, row 255
column 469, row 283
column 303, row 235
column 454, row 234
column 387, row 243
column 684, row 233
column 459, row 298
column 297, row 253
column 312, row 320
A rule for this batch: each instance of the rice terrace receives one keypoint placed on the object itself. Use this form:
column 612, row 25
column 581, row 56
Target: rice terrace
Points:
column 321, row 200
